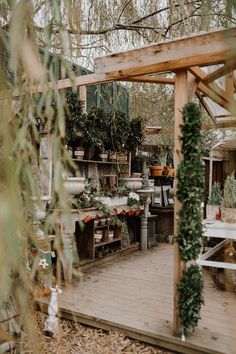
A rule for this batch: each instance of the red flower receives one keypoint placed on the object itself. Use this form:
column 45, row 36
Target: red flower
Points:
column 131, row 212
column 87, row 218
column 139, row 211
column 123, row 212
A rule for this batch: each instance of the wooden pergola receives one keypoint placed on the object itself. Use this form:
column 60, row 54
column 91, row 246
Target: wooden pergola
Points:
column 180, row 62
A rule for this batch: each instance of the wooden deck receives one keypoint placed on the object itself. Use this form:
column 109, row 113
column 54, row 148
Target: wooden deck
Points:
column 134, row 295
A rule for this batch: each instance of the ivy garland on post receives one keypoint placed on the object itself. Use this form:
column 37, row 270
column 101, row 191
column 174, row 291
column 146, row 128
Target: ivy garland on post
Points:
column 190, row 193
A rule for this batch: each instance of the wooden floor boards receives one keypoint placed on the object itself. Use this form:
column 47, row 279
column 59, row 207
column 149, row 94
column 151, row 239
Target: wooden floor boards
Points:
column 134, row 294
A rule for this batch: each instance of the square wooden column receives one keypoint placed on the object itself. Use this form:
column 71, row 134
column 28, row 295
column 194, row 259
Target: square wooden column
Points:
column 181, row 98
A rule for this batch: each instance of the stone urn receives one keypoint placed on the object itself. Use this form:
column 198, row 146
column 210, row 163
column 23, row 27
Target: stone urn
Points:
column 74, row 185
column 133, row 183
column 39, row 213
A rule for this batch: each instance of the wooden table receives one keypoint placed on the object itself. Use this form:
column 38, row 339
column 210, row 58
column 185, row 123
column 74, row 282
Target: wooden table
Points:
column 222, row 230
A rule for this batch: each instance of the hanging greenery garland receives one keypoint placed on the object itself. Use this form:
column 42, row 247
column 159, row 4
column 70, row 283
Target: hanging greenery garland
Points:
column 190, row 290
column 190, row 193
column 190, row 185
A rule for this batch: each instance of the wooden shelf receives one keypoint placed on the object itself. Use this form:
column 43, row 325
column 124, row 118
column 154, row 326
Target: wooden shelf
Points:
column 103, row 162
column 106, row 242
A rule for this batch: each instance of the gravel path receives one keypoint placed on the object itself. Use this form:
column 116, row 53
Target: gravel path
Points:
column 74, row 338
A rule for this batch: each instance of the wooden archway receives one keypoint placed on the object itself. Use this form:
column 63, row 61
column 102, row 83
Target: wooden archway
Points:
column 184, row 59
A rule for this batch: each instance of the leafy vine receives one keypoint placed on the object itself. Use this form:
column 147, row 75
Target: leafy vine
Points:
column 190, row 289
column 190, row 193
column 190, row 185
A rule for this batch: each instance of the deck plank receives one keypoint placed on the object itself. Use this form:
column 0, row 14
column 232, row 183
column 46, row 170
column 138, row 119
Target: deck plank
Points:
column 134, row 294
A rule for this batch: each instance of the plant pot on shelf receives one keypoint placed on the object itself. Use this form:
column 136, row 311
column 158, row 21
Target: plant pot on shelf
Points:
column 156, row 170
column 212, row 211
column 102, row 221
column 103, row 156
column 98, row 236
column 110, row 235
column 79, row 153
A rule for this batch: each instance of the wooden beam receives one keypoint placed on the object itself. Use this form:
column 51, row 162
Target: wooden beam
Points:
column 181, row 98
column 205, row 105
column 83, row 80
column 211, row 94
column 227, row 124
column 216, row 89
column 151, row 79
column 202, row 49
column 83, row 97
column 225, row 69
column 229, row 86
column 192, row 85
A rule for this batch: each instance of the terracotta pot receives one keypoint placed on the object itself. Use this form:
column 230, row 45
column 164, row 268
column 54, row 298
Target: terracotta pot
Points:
column 156, row 170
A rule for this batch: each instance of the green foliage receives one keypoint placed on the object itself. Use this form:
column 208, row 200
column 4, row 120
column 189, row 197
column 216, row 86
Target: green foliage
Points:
column 75, row 118
column 119, row 130
column 190, row 295
column 216, row 195
column 190, row 193
column 229, row 200
column 190, row 185
column 96, row 129
column 136, row 134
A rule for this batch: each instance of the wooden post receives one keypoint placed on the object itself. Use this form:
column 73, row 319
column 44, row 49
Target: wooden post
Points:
column 181, row 98
column 83, row 97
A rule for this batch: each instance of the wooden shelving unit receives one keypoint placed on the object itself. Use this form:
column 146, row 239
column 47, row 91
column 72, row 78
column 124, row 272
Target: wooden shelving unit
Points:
column 89, row 249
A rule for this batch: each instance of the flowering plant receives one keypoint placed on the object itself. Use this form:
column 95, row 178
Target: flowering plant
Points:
column 133, row 198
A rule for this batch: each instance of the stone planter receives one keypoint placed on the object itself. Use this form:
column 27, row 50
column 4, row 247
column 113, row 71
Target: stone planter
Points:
column 133, row 184
column 74, row 185
column 114, row 201
column 212, row 211
column 228, row 215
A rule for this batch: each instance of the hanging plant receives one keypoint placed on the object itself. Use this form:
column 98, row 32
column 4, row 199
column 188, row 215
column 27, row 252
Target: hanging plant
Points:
column 190, row 191
column 190, row 289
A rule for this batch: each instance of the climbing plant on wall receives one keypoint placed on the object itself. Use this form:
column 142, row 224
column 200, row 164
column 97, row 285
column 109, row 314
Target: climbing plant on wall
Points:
column 190, row 193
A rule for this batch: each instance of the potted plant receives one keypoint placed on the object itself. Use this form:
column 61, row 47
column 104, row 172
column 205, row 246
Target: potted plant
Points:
column 95, row 132
column 214, row 202
column 228, row 209
column 75, row 123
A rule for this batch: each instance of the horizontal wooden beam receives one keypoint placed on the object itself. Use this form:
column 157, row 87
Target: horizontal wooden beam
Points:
column 227, row 124
column 83, row 80
column 202, row 49
column 151, row 79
